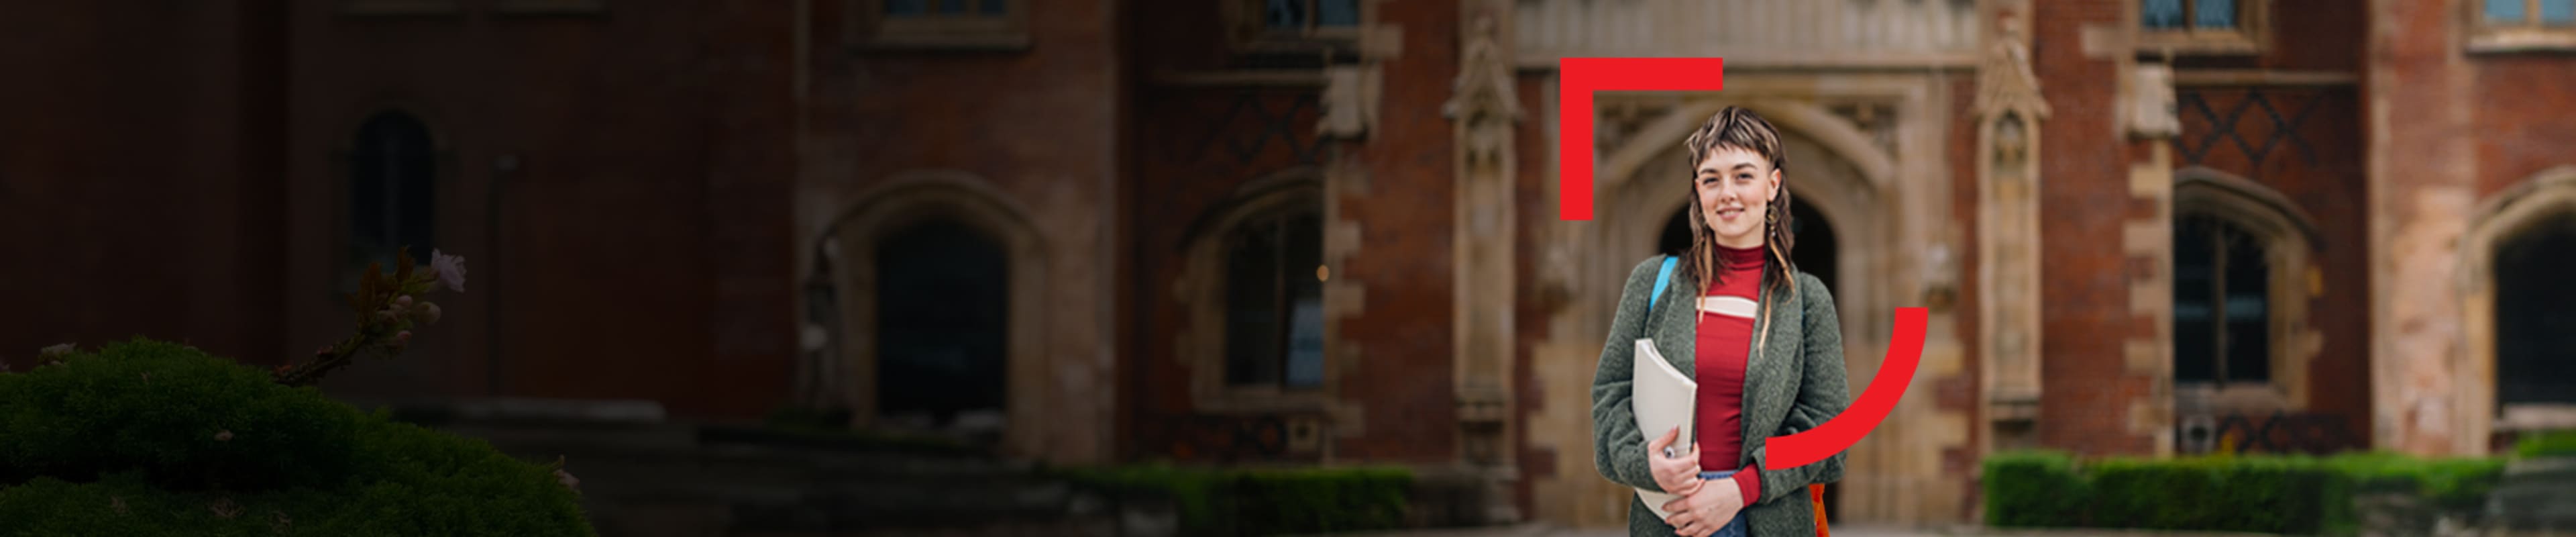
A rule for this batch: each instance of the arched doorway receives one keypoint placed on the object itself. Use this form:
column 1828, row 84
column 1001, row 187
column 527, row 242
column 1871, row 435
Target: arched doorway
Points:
column 1813, row 251
column 943, row 325
column 2534, row 329
column 1844, row 183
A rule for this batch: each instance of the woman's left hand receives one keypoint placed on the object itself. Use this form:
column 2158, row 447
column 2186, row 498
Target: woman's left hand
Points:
column 1702, row 513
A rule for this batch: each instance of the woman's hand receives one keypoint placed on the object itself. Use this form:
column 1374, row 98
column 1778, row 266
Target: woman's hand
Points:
column 1701, row 513
column 1678, row 474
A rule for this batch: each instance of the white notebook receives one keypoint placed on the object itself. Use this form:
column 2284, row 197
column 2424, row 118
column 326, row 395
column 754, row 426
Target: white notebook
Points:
column 1661, row 397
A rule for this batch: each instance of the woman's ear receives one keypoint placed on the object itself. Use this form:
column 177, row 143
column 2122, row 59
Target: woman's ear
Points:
column 1775, row 184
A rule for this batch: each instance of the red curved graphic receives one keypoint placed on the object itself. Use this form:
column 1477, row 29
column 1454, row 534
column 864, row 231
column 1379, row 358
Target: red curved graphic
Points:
column 1843, row 430
column 1578, row 78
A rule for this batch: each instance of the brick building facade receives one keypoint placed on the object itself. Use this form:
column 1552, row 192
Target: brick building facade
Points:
column 1276, row 232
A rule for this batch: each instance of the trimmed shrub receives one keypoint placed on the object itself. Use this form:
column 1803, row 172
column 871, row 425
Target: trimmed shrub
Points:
column 2546, row 444
column 2033, row 489
column 165, row 410
column 2450, row 483
column 2270, row 494
column 132, row 440
column 1263, row 501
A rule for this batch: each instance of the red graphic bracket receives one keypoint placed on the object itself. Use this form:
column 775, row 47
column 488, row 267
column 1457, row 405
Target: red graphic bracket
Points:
column 1578, row 78
column 1839, row 433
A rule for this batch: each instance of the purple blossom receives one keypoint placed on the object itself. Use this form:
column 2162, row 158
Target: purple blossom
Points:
column 449, row 268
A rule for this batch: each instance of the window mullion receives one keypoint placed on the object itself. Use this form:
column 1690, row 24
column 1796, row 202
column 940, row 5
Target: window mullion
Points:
column 1280, row 309
column 2218, row 305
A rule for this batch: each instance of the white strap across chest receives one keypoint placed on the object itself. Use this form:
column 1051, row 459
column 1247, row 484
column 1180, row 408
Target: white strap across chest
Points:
column 1731, row 306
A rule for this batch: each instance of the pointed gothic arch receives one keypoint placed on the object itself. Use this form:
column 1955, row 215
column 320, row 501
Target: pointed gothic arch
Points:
column 2535, row 216
column 951, row 204
column 2243, row 277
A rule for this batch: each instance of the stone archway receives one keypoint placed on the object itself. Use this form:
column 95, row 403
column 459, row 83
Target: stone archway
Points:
column 954, row 216
column 1827, row 194
column 2504, row 252
column 1865, row 153
column 1829, row 173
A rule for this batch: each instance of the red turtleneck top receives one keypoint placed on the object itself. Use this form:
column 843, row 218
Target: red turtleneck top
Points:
column 1727, row 308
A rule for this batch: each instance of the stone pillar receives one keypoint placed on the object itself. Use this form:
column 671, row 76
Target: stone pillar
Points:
column 1484, row 110
column 2009, row 111
column 2146, row 237
column 2422, row 193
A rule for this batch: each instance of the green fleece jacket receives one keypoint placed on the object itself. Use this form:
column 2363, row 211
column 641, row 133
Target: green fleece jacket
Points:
column 1792, row 384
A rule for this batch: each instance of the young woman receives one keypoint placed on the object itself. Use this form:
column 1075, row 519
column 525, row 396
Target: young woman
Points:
column 1760, row 338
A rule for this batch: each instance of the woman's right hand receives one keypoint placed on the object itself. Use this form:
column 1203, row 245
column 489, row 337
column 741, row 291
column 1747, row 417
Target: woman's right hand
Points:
column 1678, row 474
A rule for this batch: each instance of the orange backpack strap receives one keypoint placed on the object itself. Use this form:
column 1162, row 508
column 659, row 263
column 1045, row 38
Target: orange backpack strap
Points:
column 1816, row 494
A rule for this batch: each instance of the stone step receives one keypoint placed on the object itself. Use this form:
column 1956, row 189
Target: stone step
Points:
column 2536, row 495
column 760, row 481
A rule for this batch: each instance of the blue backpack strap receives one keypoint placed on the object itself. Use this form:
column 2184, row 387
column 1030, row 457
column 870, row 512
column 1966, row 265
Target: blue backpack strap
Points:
column 1661, row 279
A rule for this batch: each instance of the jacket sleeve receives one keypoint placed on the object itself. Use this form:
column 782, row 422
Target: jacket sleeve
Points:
column 1822, row 393
column 1618, row 449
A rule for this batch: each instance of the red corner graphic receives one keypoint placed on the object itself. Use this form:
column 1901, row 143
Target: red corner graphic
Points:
column 1577, row 78
column 1842, row 431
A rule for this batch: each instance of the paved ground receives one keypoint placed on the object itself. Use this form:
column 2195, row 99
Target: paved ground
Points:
column 1543, row 530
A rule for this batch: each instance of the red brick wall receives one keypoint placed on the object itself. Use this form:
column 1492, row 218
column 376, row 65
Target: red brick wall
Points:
column 2513, row 142
column 1965, row 392
column 1042, row 129
column 1404, row 252
column 1195, row 146
column 644, row 243
column 178, row 167
column 2318, row 167
column 137, row 176
column 1186, row 171
column 2084, row 165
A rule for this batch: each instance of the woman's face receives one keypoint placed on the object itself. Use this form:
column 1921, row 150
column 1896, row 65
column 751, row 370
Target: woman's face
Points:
column 1735, row 188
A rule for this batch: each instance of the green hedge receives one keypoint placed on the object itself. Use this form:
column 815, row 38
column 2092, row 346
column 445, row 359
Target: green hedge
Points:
column 148, row 438
column 2032, row 489
column 2546, row 444
column 2271, row 494
column 1261, row 501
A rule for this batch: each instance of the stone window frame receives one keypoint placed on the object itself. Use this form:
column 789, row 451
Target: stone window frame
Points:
column 1200, row 290
column 2502, row 218
column 914, row 196
column 534, row 8
column 444, row 8
column 401, row 8
column 2290, row 239
column 870, row 29
column 1249, row 35
column 442, row 176
column 2251, row 36
column 2527, row 35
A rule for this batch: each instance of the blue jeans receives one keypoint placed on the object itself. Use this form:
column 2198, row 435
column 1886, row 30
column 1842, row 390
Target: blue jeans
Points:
column 1733, row 527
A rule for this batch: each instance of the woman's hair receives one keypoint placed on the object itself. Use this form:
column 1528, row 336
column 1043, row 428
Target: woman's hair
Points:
column 1734, row 128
